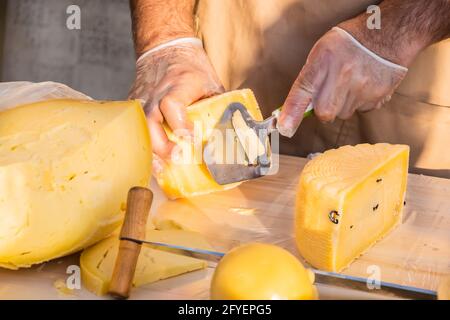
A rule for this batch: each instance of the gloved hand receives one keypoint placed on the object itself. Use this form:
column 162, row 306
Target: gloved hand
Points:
column 339, row 77
column 169, row 78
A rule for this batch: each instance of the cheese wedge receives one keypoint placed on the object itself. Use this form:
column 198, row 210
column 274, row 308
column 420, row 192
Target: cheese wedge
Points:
column 154, row 263
column 65, row 170
column 348, row 198
column 190, row 176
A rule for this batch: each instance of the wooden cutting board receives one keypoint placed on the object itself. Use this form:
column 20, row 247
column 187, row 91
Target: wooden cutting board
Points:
column 417, row 253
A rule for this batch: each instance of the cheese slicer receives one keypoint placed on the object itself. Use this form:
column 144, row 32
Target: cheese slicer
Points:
column 239, row 148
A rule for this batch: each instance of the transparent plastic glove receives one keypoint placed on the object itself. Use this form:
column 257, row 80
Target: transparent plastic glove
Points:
column 169, row 78
column 339, row 77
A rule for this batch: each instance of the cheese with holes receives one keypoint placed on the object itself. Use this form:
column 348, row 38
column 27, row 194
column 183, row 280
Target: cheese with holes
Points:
column 349, row 198
column 65, row 170
column 154, row 263
column 189, row 176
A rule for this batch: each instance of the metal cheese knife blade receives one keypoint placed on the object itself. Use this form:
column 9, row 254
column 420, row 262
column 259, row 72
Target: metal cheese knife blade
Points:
column 383, row 288
column 224, row 152
column 321, row 277
column 209, row 255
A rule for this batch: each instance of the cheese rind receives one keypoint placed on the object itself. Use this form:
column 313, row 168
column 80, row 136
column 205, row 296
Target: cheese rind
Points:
column 349, row 198
column 65, row 170
column 154, row 263
column 191, row 177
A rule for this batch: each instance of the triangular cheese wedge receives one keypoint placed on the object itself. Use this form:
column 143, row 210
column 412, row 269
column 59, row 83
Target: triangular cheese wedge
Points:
column 154, row 263
column 348, row 198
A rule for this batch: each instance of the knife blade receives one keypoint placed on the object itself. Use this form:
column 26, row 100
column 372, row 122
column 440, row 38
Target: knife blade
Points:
column 362, row 284
column 203, row 254
column 321, row 277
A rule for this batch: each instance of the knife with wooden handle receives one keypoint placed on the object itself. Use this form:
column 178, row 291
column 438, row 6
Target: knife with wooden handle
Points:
column 138, row 206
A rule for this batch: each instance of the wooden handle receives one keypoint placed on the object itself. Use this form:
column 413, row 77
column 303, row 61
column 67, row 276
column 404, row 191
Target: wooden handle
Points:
column 138, row 206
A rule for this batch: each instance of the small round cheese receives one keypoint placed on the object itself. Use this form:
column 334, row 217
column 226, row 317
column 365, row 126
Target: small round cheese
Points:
column 259, row 271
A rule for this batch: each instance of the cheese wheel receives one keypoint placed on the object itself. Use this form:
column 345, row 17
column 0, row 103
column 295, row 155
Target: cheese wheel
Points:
column 65, row 169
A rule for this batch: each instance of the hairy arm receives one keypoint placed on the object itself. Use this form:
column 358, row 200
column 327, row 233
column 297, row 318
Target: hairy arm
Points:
column 172, row 78
column 159, row 21
column 339, row 77
column 407, row 27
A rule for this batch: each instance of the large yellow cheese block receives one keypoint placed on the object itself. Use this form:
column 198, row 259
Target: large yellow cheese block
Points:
column 348, row 198
column 154, row 263
column 190, row 178
column 65, row 170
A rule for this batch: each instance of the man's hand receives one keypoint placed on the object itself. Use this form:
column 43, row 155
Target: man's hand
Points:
column 171, row 78
column 341, row 76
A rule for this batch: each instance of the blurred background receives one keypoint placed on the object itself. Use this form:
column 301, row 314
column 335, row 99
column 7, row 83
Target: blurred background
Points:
column 36, row 45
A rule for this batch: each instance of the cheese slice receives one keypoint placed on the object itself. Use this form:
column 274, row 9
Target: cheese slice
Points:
column 154, row 263
column 189, row 176
column 248, row 138
column 348, row 198
column 65, row 169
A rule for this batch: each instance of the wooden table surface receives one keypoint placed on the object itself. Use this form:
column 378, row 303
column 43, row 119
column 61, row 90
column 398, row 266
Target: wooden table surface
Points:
column 417, row 253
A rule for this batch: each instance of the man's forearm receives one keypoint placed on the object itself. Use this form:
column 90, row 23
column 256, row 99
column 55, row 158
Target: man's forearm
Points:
column 158, row 21
column 407, row 27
